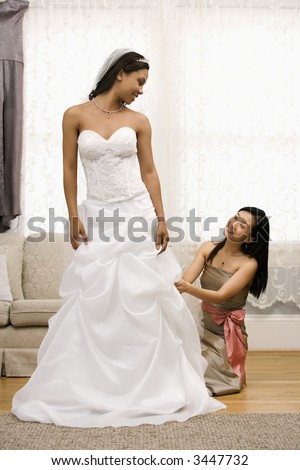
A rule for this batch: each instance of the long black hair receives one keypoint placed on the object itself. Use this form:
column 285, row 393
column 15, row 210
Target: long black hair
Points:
column 129, row 62
column 258, row 249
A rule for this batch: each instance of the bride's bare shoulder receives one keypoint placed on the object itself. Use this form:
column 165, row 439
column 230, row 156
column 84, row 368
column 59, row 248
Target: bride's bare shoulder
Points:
column 76, row 109
column 74, row 114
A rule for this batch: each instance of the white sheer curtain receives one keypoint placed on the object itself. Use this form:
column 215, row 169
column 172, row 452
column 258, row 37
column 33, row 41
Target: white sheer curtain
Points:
column 223, row 97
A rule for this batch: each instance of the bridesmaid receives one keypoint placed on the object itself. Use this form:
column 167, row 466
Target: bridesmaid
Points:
column 229, row 270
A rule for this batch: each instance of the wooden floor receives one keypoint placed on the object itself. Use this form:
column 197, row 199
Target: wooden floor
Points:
column 273, row 380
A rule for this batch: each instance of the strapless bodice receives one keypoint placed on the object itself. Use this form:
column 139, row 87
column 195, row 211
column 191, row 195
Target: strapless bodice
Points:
column 213, row 278
column 111, row 166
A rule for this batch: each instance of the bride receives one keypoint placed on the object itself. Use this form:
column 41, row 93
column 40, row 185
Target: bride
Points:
column 123, row 350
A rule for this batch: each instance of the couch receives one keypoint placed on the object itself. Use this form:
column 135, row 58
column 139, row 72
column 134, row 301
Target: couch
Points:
column 34, row 269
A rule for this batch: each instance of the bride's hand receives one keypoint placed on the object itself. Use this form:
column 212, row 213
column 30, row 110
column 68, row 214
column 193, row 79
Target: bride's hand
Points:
column 162, row 236
column 77, row 232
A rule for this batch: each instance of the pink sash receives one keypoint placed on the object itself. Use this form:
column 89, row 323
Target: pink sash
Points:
column 234, row 339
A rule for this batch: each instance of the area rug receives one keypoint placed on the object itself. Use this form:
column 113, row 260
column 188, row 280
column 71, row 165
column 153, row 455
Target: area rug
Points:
column 211, row 431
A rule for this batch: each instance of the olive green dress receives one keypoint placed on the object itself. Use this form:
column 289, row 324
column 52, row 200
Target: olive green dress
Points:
column 219, row 376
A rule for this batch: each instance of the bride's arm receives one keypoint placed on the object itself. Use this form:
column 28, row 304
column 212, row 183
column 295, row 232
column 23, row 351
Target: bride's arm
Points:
column 150, row 178
column 70, row 134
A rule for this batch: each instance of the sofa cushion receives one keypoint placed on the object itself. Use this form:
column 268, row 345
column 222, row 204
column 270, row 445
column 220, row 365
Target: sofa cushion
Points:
column 4, row 313
column 44, row 262
column 34, row 312
column 12, row 246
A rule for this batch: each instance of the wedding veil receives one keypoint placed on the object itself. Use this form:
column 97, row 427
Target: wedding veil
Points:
column 110, row 60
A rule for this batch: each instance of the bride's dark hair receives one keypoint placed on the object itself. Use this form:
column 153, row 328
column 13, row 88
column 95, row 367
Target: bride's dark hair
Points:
column 258, row 249
column 129, row 62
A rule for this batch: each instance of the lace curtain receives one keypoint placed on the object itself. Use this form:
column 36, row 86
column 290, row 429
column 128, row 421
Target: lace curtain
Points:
column 223, row 98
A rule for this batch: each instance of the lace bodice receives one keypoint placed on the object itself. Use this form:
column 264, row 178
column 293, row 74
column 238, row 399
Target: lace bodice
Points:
column 111, row 166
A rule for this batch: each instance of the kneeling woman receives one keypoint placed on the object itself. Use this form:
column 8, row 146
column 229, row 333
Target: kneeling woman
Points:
column 229, row 270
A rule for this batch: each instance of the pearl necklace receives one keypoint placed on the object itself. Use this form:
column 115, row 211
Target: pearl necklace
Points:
column 106, row 111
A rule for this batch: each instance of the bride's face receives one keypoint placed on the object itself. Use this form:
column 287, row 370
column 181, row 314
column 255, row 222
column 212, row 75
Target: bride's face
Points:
column 131, row 85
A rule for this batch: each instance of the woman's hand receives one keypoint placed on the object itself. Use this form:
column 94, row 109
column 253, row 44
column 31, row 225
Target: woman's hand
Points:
column 162, row 236
column 77, row 232
column 183, row 286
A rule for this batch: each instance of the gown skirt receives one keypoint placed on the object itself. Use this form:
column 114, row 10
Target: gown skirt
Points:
column 123, row 349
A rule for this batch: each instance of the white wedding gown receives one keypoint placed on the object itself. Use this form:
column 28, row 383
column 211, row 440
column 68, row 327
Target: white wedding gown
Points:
column 124, row 349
